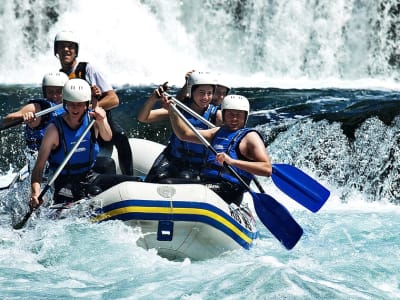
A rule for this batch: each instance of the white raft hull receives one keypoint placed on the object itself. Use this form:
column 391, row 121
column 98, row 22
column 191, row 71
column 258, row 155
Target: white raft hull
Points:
column 179, row 221
column 144, row 152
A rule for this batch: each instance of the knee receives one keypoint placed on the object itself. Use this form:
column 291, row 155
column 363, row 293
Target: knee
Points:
column 105, row 165
column 158, row 177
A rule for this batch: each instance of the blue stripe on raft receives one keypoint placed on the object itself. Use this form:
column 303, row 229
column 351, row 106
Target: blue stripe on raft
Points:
column 221, row 221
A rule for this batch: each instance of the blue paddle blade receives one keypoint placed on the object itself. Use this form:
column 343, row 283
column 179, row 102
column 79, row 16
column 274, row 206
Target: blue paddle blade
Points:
column 299, row 186
column 277, row 219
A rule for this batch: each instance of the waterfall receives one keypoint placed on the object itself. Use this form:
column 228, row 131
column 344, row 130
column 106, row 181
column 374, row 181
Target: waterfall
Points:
column 261, row 43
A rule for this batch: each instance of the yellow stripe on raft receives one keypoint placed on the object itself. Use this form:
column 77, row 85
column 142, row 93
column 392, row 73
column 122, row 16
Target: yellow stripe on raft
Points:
column 169, row 210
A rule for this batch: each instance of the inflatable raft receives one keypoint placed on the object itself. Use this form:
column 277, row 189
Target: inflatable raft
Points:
column 178, row 220
column 191, row 221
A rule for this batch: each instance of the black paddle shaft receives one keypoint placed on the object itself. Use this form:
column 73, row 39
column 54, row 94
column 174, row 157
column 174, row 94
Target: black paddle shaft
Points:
column 21, row 224
column 210, row 125
column 37, row 115
column 273, row 214
column 289, row 181
column 208, row 145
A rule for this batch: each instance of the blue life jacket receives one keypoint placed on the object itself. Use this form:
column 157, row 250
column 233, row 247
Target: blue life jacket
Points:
column 227, row 141
column 34, row 136
column 191, row 154
column 85, row 155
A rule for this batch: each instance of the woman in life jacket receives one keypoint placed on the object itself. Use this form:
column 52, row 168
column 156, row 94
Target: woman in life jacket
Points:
column 77, row 177
column 222, row 89
column 240, row 147
column 182, row 161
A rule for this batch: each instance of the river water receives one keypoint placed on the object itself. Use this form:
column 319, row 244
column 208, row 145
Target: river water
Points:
column 350, row 248
column 322, row 80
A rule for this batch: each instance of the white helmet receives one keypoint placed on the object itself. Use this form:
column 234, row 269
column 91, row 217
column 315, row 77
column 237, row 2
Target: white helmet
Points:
column 54, row 79
column 236, row 102
column 77, row 90
column 199, row 78
column 222, row 82
column 66, row 36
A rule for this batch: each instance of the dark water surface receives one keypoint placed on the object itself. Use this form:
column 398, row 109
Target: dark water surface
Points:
column 346, row 139
column 344, row 116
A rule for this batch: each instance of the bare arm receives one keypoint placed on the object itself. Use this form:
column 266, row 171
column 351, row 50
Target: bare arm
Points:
column 149, row 115
column 183, row 92
column 108, row 100
column 185, row 133
column 102, row 92
column 102, row 126
column 251, row 147
column 49, row 142
column 27, row 113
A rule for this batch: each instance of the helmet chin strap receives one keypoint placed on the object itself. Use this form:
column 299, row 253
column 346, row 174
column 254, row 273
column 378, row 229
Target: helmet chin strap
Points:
column 65, row 106
column 81, row 118
column 86, row 111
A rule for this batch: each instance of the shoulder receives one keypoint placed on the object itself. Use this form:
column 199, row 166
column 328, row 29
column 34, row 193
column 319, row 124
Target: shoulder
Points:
column 88, row 66
column 160, row 112
column 52, row 129
column 98, row 77
column 252, row 138
column 51, row 138
column 93, row 69
column 251, row 133
column 90, row 70
column 43, row 103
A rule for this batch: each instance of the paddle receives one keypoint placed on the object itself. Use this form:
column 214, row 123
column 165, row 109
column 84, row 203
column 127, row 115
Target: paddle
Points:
column 271, row 213
column 37, row 115
column 299, row 186
column 7, row 180
column 289, row 179
column 207, row 123
column 190, row 111
column 22, row 223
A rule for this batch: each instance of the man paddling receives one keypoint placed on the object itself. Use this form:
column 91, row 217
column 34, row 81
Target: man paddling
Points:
column 77, row 178
column 66, row 48
column 239, row 147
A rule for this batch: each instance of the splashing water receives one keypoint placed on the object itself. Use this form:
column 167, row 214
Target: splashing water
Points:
column 350, row 249
column 255, row 43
